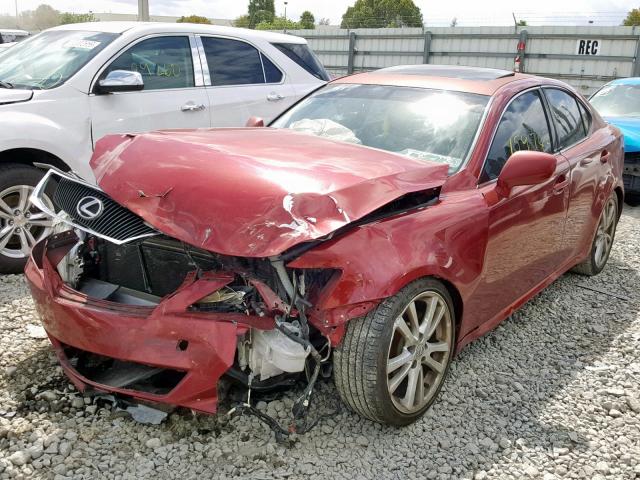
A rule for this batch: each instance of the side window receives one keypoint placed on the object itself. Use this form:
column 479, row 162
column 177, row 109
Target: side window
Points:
column 523, row 126
column 272, row 73
column 586, row 117
column 232, row 62
column 164, row 62
column 566, row 117
column 303, row 56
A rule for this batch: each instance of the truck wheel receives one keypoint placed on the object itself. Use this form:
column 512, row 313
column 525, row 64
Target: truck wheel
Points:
column 603, row 240
column 21, row 224
column 392, row 362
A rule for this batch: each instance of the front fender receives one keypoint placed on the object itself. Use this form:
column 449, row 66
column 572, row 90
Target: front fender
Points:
column 60, row 126
column 446, row 240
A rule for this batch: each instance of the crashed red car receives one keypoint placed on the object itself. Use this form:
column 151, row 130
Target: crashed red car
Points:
column 377, row 227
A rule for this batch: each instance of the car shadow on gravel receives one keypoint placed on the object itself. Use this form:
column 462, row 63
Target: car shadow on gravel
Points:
column 511, row 381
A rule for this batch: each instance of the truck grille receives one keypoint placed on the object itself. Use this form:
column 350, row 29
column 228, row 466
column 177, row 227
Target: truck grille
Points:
column 114, row 222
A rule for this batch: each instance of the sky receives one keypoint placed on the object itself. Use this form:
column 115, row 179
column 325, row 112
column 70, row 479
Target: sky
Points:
column 435, row 12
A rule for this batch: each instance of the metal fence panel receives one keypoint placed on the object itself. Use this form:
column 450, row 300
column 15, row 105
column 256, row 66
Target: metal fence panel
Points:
column 550, row 51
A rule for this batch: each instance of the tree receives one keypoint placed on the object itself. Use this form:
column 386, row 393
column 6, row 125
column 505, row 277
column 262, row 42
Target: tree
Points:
column 382, row 14
column 324, row 21
column 261, row 11
column 278, row 23
column 194, row 19
column 43, row 17
column 243, row 21
column 522, row 23
column 633, row 18
column 68, row 17
column 307, row 20
column 454, row 22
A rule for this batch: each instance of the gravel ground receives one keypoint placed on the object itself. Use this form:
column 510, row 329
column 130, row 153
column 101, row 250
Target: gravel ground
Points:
column 554, row 392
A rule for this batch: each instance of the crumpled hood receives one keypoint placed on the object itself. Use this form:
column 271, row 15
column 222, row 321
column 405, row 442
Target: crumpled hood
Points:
column 630, row 128
column 14, row 95
column 252, row 192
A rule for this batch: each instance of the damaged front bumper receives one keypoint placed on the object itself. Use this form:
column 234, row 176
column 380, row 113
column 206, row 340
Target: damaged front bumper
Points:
column 164, row 353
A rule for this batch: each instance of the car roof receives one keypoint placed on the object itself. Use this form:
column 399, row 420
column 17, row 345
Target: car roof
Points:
column 146, row 28
column 626, row 81
column 483, row 81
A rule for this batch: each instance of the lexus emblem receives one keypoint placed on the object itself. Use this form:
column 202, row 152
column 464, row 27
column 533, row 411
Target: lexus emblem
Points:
column 90, row 208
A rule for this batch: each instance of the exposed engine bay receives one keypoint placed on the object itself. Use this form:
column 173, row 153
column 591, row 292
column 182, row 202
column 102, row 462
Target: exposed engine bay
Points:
column 143, row 272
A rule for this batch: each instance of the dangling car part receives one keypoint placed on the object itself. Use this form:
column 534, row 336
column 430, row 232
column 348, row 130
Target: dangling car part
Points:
column 428, row 204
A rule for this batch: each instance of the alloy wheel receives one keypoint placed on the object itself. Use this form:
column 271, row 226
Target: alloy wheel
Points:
column 419, row 352
column 605, row 233
column 21, row 224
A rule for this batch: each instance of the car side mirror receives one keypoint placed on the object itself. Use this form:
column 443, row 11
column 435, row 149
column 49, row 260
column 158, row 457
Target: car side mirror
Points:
column 525, row 168
column 120, row 81
column 255, row 122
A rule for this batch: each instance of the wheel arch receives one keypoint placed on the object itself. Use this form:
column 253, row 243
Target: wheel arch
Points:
column 620, row 195
column 456, row 298
column 30, row 156
column 454, row 292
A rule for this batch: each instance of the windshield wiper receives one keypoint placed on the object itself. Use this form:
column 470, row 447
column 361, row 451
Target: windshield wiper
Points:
column 4, row 84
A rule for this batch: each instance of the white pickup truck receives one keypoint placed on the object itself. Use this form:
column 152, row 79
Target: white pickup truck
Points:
column 65, row 88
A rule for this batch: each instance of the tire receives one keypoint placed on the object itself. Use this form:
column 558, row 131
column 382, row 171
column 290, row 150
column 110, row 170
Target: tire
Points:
column 371, row 342
column 28, row 227
column 632, row 199
column 607, row 224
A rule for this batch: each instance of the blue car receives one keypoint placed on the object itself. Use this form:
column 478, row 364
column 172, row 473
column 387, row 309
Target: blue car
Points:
column 619, row 103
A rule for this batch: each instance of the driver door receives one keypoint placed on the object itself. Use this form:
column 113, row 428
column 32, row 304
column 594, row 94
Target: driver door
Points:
column 526, row 229
column 173, row 94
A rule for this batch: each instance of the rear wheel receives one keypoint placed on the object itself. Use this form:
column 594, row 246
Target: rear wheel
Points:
column 392, row 362
column 603, row 240
column 21, row 224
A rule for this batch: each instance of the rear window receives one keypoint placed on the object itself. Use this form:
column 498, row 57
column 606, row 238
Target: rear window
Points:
column 232, row 62
column 566, row 117
column 303, row 56
column 271, row 73
column 586, row 118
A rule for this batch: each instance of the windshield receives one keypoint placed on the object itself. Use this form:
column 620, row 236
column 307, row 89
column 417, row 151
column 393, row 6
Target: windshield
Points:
column 50, row 58
column 433, row 125
column 617, row 101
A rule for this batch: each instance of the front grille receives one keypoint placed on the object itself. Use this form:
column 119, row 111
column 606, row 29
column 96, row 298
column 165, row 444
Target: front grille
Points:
column 115, row 223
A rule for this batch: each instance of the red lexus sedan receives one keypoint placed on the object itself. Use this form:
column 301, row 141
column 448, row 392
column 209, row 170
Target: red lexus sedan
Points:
column 373, row 230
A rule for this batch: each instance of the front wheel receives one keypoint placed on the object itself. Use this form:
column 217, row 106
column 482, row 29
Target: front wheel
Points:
column 603, row 240
column 21, row 224
column 392, row 362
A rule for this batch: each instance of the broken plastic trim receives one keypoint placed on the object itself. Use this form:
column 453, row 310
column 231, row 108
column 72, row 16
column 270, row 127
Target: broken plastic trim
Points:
column 140, row 412
column 406, row 203
column 115, row 373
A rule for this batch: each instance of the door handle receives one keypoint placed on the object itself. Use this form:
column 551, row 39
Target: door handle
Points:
column 604, row 156
column 274, row 97
column 192, row 107
column 561, row 184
